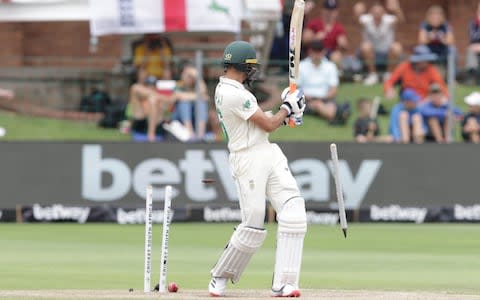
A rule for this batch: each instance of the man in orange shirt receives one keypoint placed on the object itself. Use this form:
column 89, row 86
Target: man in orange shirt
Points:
column 418, row 74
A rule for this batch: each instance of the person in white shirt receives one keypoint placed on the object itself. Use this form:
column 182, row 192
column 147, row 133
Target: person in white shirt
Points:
column 319, row 79
column 379, row 45
column 259, row 169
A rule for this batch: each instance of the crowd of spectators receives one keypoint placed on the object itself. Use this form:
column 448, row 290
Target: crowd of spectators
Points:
column 160, row 106
column 416, row 78
column 414, row 75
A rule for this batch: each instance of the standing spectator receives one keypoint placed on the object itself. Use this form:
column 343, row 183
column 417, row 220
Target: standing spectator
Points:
column 379, row 46
column 328, row 30
column 418, row 74
column 318, row 77
column 473, row 50
column 436, row 33
column 435, row 115
column 154, row 55
column 471, row 122
column 366, row 129
column 406, row 123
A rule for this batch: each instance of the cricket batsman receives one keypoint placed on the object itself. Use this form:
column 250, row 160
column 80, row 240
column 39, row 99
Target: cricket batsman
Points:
column 260, row 169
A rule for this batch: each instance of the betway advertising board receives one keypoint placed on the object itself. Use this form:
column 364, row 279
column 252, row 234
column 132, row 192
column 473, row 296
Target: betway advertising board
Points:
column 387, row 180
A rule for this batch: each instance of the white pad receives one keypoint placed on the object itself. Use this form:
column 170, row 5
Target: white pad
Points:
column 244, row 242
column 292, row 226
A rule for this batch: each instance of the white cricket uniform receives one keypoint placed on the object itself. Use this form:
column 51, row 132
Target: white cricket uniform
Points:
column 259, row 167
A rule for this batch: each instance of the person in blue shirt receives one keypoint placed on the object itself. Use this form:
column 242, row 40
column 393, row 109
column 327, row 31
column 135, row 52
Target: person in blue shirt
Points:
column 471, row 122
column 406, row 124
column 434, row 112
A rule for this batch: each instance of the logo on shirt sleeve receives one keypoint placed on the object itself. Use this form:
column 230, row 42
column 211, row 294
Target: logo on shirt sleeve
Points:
column 247, row 105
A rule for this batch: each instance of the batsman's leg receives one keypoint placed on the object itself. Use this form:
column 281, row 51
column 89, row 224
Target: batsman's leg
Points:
column 244, row 242
column 292, row 226
column 249, row 235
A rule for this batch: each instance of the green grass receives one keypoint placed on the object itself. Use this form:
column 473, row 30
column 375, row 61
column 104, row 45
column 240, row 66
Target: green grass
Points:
column 31, row 128
column 26, row 128
column 402, row 257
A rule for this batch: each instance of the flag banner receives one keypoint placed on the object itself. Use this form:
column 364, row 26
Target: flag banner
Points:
column 151, row 16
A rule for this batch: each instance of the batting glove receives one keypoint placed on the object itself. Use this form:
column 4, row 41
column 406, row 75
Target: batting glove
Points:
column 293, row 103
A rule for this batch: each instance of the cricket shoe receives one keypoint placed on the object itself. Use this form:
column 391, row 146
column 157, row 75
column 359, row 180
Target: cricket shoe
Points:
column 287, row 291
column 217, row 286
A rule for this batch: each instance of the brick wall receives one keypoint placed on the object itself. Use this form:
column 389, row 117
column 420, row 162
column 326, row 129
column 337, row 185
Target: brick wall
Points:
column 66, row 43
column 55, row 44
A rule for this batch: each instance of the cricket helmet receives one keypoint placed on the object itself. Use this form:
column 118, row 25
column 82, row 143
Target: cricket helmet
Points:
column 242, row 56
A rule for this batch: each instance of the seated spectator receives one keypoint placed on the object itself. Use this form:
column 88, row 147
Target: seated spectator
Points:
column 473, row 50
column 328, row 30
column 418, row 74
column 406, row 124
column 7, row 95
column 189, row 109
column 471, row 122
column 436, row 33
column 378, row 46
column 366, row 129
column 435, row 115
column 318, row 77
column 154, row 55
column 146, row 107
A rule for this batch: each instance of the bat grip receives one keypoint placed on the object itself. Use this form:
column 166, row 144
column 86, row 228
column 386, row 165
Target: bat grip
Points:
column 291, row 121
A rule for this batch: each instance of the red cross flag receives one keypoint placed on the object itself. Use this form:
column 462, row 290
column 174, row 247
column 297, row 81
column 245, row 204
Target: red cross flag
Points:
column 144, row 16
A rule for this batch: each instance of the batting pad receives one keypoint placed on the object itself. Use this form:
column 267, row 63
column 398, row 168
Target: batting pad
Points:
column 292, row 226
column 244, row 242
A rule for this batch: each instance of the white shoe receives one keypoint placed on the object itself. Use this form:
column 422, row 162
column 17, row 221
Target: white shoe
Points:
column 217, row 286
column 287, row 290
column 371, row 79
column 177, row 130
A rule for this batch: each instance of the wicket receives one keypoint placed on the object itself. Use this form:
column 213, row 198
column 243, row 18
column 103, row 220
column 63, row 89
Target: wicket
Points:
column 167, row 218
column 338, row 187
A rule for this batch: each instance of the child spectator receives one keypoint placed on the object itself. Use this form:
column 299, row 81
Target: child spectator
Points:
column 328, row 30
column 406, row 123
column 318, row 77
column 366, row 129
column 418, row 74
column 471, row 122
column 435, row 115
column 436, row 33
column 473, row 50
column 379, row 46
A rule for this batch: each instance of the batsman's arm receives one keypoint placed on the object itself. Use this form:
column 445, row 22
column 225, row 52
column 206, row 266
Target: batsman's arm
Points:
column 266, row 122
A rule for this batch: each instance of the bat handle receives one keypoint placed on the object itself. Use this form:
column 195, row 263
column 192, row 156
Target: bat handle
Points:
column 291, row 121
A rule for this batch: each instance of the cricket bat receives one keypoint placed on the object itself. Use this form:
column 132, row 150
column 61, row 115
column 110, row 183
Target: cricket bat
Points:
column 373, row 112
column 294, row 46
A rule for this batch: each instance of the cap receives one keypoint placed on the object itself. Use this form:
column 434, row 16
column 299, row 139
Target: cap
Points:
column 150, row 80
column 409, row 95
column 330, row 4
column 473, row 99
column 422, row 54
column 435, row 88
column 317, row 45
